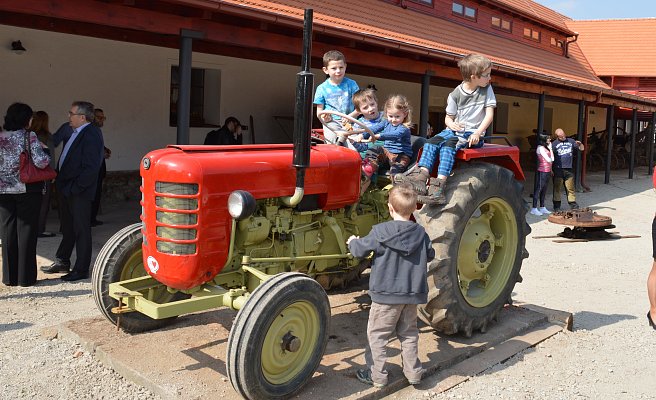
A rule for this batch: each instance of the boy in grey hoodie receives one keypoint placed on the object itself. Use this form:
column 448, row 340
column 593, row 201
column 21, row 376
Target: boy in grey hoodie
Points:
column 401, row 251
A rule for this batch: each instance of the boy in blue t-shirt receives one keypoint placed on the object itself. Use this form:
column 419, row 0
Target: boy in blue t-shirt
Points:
column 335, row 94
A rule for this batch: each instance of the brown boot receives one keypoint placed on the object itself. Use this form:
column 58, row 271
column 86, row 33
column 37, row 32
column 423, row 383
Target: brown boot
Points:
column 436, row 196
column 415, row 176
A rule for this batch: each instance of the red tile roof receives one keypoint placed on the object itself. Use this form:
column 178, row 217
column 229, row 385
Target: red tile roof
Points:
column 536, row 11
column 620, row 47
column 375, row 19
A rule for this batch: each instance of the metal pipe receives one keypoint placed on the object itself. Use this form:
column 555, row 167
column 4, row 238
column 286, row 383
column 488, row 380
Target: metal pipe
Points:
column 299, row 258
column 302, row 114
column 634, row 132
column 568, row 42
column 610, row 131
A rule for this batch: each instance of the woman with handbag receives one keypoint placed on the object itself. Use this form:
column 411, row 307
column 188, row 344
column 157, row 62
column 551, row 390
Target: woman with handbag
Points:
column 19, row 202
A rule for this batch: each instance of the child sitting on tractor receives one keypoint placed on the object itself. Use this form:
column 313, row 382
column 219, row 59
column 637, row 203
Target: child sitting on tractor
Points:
column 469, row 111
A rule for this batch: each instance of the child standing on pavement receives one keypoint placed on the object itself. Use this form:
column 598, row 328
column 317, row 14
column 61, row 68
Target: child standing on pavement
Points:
column 401, row 250
column 335, row 94
column 545, row 158
column 469, row 111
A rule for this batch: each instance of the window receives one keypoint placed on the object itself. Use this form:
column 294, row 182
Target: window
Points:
column 532, row 34
column 427, row 2
column 463, row 11
column 204, row 97
column 502, row 24
column 556, row 43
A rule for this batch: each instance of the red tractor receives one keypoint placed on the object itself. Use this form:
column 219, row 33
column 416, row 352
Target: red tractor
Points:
column 262, row 229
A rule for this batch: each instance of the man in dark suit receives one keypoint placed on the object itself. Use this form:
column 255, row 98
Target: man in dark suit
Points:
column 78, row 168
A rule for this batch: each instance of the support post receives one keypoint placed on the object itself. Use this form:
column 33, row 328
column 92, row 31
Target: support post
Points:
column 537, row 137
column 580, row 132
column 184, row 90
column 634, row 132
column 425, row 100
column 650, row 150
column 610, row 132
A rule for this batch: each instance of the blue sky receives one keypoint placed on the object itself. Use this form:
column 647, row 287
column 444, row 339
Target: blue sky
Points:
column 602, row 9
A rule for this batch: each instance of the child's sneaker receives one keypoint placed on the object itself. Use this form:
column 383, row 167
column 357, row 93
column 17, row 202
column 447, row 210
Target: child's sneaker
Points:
column 535, row 211
column 417, row 381
column 364, row 376
column 544, row 210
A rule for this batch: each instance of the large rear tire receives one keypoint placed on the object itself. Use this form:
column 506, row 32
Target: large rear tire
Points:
column 278, row 337
column 121, row 259
column 479, row 238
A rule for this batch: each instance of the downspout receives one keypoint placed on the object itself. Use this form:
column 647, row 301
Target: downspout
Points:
column 302, row 114
column 568, row 42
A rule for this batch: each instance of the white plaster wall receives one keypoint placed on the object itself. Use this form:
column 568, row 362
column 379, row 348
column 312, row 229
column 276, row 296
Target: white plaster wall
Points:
column 131, row 83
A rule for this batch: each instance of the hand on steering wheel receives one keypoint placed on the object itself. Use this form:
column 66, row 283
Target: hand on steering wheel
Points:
column 354, row 121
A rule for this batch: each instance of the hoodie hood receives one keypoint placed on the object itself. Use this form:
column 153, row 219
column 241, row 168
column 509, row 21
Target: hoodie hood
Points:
column 403, row 236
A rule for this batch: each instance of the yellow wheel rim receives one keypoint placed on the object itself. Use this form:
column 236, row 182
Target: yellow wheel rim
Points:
column 133, row 267
column 300, row 323
column 487, row 252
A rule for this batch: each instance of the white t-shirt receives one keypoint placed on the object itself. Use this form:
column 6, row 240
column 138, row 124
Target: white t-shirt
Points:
column 468, row 109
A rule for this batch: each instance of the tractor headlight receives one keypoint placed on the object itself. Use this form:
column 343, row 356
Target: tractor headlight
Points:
column 241, row 204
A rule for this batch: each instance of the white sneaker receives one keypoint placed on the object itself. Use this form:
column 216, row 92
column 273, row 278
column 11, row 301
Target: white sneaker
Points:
column 535, row 211
column 544, row 210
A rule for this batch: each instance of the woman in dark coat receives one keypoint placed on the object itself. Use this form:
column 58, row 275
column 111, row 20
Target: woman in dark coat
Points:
column 19, row 202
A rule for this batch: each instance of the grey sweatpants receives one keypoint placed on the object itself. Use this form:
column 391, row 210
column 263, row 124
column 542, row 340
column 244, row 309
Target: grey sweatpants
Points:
column 385, row 319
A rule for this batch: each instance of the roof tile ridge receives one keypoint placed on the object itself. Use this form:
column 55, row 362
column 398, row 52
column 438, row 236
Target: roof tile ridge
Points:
column 614, row 19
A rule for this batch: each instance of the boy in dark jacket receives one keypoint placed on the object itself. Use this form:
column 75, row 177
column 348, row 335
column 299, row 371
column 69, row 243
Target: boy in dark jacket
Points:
column 401, row 251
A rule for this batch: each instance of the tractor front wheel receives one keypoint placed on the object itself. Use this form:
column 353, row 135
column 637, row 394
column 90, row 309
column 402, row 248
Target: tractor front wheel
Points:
column 479, row 238
column 278, row 337
column 121, row 259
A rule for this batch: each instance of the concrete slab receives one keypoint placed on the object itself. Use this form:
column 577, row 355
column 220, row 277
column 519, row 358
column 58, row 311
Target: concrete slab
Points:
column 187, row 359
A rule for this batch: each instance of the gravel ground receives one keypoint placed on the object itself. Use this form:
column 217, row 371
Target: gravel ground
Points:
column 611, row 352
column 34, row 363
column 609, row 355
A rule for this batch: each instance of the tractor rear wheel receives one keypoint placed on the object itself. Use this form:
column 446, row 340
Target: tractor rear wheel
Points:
column 121, row 259
column 479, row 238
column 278, row 337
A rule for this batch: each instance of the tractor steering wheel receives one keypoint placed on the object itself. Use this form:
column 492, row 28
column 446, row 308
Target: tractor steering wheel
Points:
column 364, row 128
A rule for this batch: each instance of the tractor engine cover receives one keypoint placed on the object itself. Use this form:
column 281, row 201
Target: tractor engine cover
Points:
column 186, row 225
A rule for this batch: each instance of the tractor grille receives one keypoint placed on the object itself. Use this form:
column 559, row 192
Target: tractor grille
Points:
column 177, row 217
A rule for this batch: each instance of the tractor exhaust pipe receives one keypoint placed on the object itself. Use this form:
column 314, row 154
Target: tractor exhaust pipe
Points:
column 302, row 114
